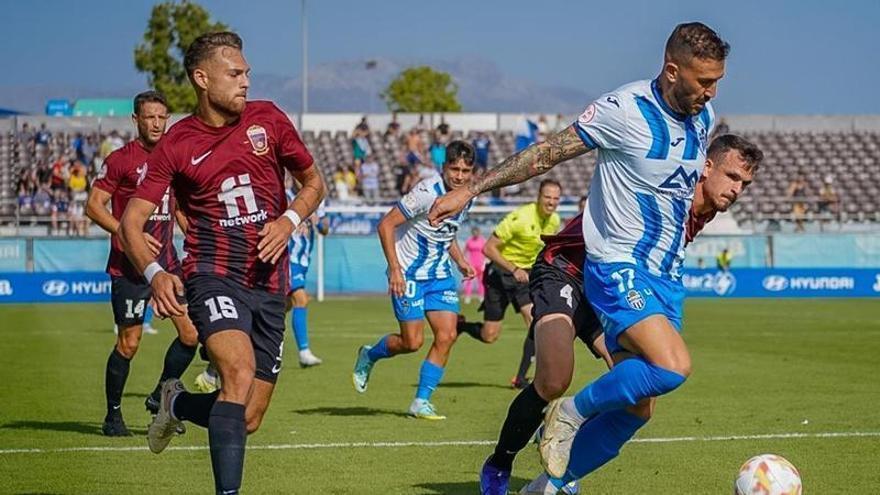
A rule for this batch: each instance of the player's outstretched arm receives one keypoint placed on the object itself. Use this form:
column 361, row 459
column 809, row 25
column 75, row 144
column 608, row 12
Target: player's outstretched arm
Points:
column 386, row 229
column 166, row 287
column 530, row 162
column 275, row 234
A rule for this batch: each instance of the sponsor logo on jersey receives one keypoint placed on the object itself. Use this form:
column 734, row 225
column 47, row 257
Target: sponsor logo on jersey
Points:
column 198, row 159
column 142, row 173
column 259, row 139
column 613, row 101
column 589, row 113
column 677, row 141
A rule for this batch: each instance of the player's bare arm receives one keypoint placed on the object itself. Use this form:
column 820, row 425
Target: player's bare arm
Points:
column 492, row 250
column 96, row 209
column 276, row 233
column 530, row 162
column 386, row 228
column 464, row 266
column 166, row 287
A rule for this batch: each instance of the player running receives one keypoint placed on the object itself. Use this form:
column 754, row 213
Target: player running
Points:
column 562, row 312
column 420, row 279
column 130, row 292
column 226, row 163
column 300, row 247
column 652, row 137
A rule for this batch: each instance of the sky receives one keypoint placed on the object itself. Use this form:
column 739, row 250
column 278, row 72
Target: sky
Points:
column 788, row 57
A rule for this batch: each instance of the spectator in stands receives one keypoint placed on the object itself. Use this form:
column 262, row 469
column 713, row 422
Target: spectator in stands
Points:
column 340, row 184
column 110, row 144
column 369, row 178
column 797, row 194
column 25, row 201
column 443, row 134
column 481, row 152
column 43, row 200
column 77, row 184
column 415, row 148
column 392, row 132
column 828, row 200
column 360, row 145
column 60, row 209
column 721, row 128
column 543, row 128
column 401, row 174
column 526, row 133
column 88, row 151
column 44, row 174
column 701, row 263
column 60, row 173
column 26, row 137
column 43, row 136
column 363, row 126
column 438, row 154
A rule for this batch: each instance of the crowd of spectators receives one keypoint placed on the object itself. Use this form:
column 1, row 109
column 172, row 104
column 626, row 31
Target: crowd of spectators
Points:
column 54, row 173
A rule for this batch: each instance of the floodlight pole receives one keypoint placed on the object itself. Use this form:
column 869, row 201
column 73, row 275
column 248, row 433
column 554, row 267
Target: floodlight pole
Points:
column 305, row 64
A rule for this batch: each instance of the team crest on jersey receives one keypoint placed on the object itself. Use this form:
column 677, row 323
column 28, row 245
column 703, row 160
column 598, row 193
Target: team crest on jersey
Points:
column 259, row 139
column 589, row 113
column 635, row 300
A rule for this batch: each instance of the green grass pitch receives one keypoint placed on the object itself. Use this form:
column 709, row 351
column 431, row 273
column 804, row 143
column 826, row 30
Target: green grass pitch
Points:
column 776, row 374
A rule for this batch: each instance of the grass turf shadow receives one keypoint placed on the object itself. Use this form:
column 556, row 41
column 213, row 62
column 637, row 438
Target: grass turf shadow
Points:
column 351, row 411
column 84, row 427
column 463, row 487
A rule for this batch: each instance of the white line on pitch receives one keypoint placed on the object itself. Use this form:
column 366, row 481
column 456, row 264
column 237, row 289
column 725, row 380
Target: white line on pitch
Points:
column 450, row 443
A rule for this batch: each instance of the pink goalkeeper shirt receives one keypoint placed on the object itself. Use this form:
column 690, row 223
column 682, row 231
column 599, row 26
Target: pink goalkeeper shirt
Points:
column 474, row 250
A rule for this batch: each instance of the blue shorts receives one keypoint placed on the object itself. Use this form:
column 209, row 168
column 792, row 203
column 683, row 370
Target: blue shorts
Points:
column 426, row 295
column 623, row 294
column 298, row 276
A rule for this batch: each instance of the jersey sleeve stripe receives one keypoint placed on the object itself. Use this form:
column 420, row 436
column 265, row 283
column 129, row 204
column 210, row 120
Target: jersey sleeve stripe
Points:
column 653, row 224
column 585, row 137
column 403, row 209
column 659, row 130
column 679, row 210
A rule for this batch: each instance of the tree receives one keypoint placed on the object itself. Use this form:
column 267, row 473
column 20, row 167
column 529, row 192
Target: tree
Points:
column 422, row 89
column 170, row 30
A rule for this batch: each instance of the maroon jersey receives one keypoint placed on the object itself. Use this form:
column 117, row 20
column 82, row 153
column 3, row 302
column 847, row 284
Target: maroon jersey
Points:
column 566, row 249
column 229, row 182
column 119, row 177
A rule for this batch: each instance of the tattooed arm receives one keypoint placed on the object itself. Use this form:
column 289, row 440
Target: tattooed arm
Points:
column 534, row 160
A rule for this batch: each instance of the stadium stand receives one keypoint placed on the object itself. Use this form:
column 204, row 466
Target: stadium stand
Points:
column 843, row 161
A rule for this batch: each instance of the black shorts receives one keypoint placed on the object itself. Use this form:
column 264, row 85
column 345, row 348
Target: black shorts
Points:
column 129, row 300
column 554, row 291
column 502, row 289
column 217, row 304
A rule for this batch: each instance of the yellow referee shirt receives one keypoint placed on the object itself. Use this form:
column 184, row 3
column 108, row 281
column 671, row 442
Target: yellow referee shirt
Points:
column 520, row 233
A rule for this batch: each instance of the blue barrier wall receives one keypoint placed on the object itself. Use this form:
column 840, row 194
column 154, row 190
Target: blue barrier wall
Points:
column 355, row 264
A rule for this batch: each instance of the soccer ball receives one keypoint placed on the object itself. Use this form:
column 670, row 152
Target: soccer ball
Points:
column 767, row 474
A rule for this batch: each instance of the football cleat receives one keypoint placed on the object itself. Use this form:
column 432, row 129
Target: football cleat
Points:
column 422, row 409
column 362, row 368
column 543, row 486
column 307, row 359
column 559, row 431
column 114, row 426
column 164, row 425
column 206, row 382
column 150, row 329
column 493, row 481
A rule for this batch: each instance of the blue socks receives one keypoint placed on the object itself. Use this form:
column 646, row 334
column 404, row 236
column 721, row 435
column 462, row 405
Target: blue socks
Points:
column 598, row 441
column 148, row 315
column 379, row 350
column 300, row 330
column 429, row 377
column 624, row 385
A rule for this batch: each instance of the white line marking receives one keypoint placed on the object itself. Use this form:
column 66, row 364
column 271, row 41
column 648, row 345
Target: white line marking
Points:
column 450, row 443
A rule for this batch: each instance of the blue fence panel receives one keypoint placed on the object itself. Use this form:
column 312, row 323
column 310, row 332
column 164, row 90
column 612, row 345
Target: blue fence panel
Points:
column 13, row 255
column 826, row 250
column 783, row 282
column 54, row 287
column 70, row 255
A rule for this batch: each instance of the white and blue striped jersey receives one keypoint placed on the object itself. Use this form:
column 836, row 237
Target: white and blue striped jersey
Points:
column 650, row 159
column 301, row 244
column 423, row 250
